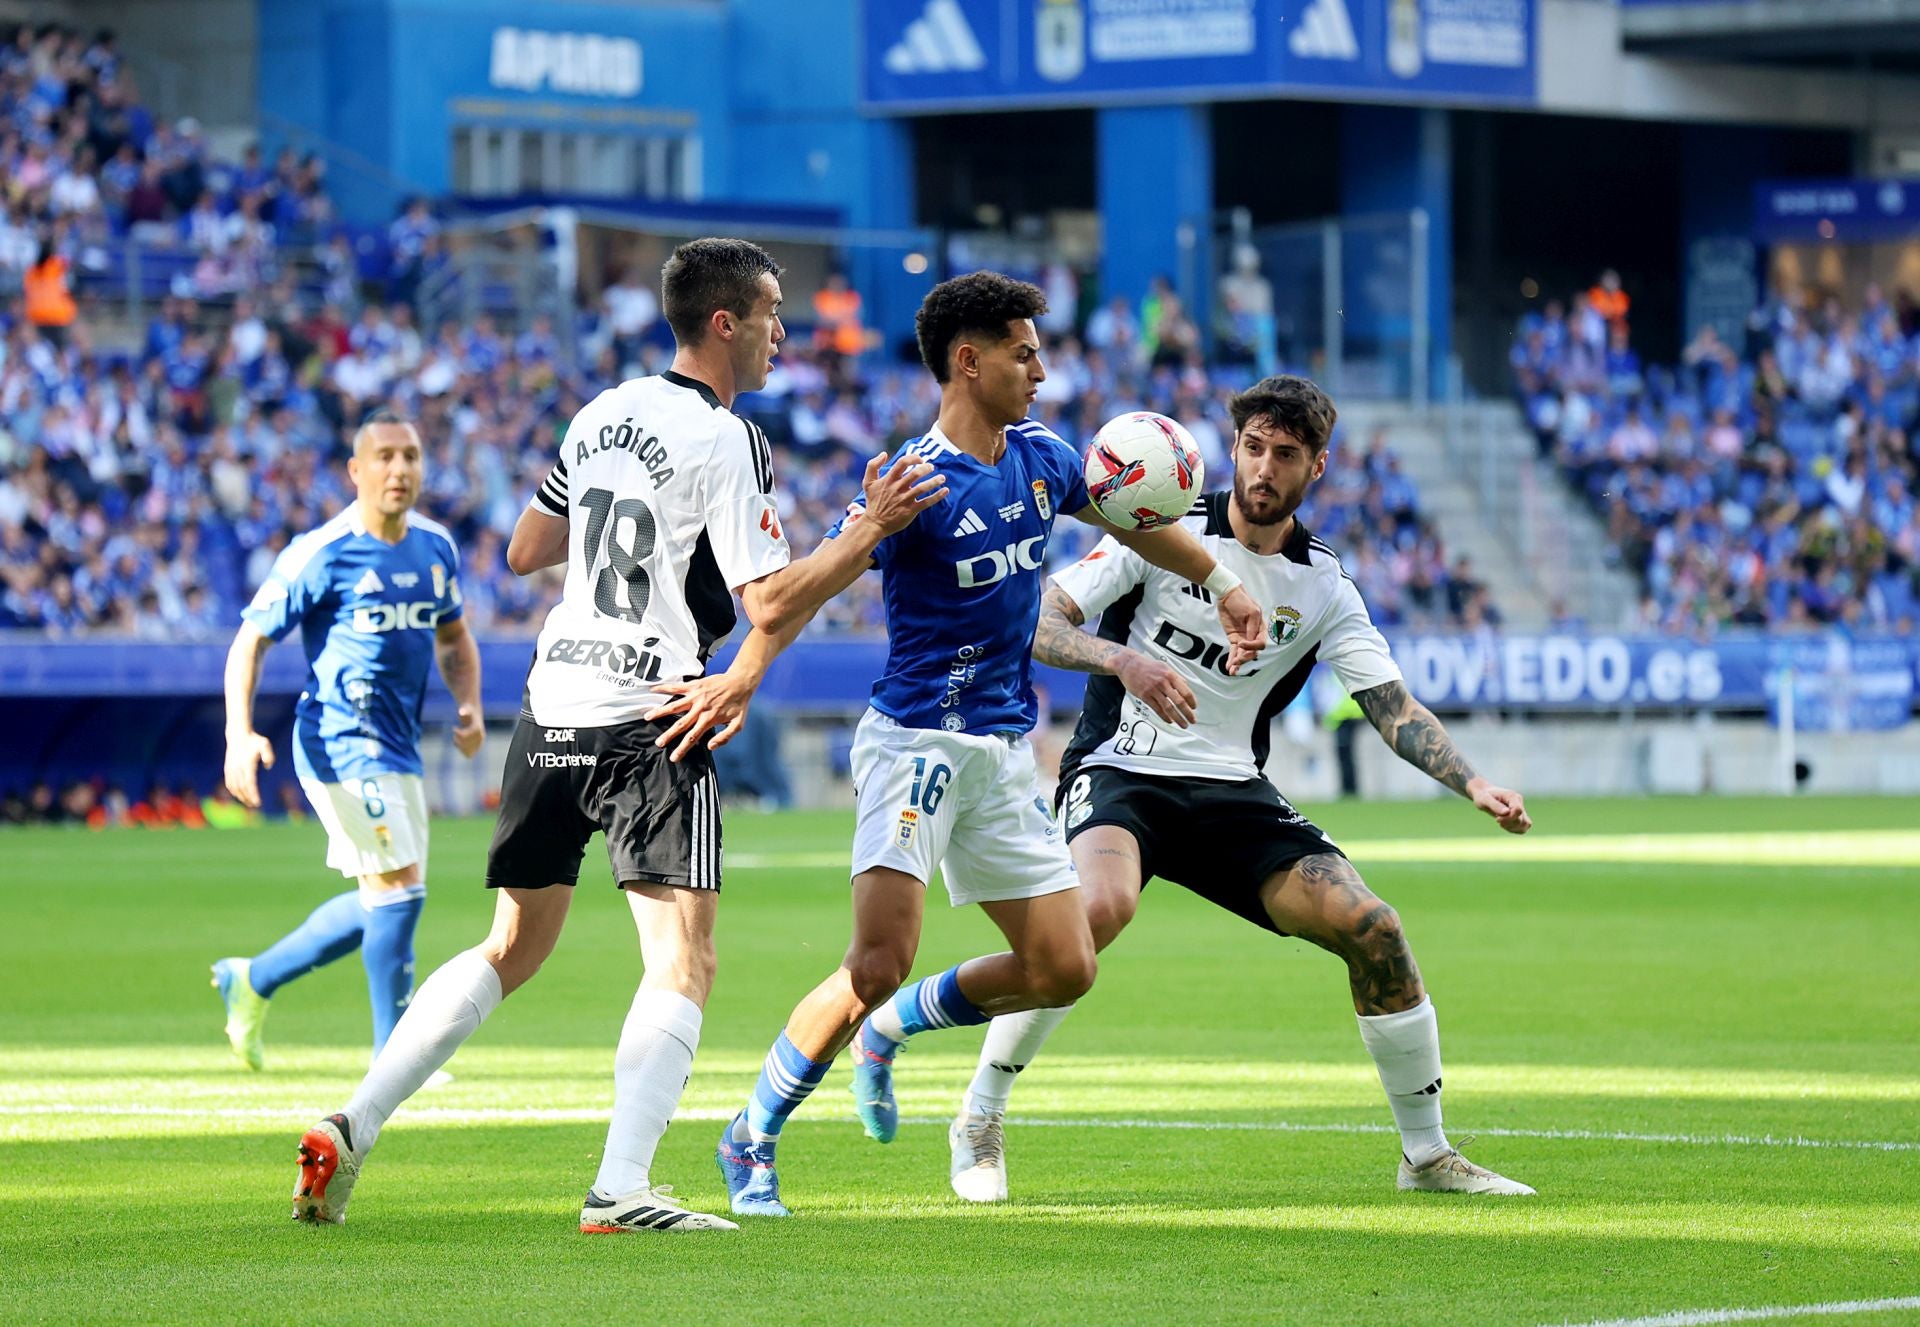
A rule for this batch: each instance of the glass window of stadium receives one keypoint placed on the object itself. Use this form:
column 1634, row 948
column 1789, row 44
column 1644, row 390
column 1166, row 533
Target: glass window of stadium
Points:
column 494, row 162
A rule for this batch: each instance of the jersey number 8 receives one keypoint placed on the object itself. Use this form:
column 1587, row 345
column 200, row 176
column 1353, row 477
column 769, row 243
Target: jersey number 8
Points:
column 625, row 562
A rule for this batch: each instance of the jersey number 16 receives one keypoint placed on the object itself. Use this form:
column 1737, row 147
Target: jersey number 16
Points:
column 625, row 561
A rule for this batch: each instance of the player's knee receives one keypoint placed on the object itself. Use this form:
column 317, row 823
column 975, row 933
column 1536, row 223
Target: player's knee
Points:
column 1108, row 913
column 1377, row 939
column 1064, row 976
column 875, row 974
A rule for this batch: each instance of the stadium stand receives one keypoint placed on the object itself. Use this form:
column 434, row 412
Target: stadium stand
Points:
column 1770, row 485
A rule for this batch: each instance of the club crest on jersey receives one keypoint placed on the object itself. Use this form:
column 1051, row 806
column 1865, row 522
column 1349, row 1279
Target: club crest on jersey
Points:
column 1041, row 503
column 909, row 822
column 953, row 721
column 1285, row 627
column 384, row 837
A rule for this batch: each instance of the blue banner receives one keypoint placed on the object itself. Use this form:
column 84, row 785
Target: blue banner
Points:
column 1867, row 683
column 928, row 54
column 1839, row 681
column 1847, row 210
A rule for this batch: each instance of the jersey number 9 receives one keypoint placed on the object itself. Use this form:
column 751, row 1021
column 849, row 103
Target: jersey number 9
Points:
column 625, row 562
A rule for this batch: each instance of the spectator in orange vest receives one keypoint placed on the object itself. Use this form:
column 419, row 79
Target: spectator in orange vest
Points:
column 1609, row 300
column 50, row 306
column 836, row 315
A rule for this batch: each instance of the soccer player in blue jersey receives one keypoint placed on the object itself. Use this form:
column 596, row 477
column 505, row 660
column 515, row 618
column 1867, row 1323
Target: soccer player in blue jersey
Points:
column 942, row 771
column 375, row 594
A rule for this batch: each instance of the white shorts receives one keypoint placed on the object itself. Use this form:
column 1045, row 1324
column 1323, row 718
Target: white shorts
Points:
column 967, row 804
column 373, row 825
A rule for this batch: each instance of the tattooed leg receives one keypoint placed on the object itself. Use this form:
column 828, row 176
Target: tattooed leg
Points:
column 1322, row 899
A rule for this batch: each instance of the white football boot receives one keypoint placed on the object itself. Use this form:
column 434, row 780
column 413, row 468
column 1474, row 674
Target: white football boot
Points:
column 979, row 1145
column 328, row 1167
column 649, row 1207
column 1452, row 1173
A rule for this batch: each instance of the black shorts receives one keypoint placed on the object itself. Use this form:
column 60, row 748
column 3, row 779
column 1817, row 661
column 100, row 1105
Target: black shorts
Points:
column 661, row 819
column 1221, row 839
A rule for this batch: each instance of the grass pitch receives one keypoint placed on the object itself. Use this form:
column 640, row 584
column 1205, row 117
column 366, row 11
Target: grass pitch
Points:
column 1701, row 1051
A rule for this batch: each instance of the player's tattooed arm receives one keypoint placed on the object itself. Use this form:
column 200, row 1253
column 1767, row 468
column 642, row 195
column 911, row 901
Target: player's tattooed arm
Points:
column 1059, row 640
column 1415, row 735
column 1418, row 738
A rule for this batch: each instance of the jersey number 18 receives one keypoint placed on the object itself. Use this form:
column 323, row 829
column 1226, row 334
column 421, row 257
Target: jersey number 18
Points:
column 625, row 562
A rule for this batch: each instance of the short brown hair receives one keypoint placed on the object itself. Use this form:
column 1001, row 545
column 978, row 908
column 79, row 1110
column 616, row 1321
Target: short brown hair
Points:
column 709, row 274
column 1290, row 403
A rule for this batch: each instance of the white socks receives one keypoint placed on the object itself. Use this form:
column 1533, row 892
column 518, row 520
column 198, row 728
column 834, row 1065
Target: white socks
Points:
column 649, row 1074
column 1406, row 1050
column 447, row 1009
column 1012, row 1042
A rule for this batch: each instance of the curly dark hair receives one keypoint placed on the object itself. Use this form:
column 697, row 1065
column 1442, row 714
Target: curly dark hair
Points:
column 979, row 304
column 1290, row 403
column 704, row 275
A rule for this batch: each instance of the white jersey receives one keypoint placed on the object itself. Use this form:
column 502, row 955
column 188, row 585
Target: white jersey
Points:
column 1314, row 613
column 669, row 496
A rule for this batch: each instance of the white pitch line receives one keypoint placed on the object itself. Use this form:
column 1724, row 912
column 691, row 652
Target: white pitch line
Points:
column 1701, row 1317
column 581, row 1115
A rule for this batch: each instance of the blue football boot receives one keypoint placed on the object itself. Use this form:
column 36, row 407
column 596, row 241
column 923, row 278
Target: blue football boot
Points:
column 753, row 1189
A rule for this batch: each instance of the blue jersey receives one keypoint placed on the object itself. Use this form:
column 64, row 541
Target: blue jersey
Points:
column 962, row 584
column 367, row 611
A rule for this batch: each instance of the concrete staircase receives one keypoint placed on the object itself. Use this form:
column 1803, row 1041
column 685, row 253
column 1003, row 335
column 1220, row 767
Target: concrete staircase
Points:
column 1532, row 540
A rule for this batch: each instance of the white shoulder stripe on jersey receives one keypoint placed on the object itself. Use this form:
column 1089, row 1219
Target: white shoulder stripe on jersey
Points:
column 434, row 527
column 294, row 559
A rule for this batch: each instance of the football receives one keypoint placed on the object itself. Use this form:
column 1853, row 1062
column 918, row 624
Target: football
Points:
column 1143, row 470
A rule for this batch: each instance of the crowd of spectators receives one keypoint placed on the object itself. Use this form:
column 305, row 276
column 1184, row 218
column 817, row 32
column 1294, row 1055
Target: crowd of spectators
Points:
column 84, row 164
column 1765, row 484
column 145, row 492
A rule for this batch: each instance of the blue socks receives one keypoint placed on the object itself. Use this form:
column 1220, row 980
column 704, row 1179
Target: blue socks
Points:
column 786, row 1079
column 383, row 934
column 388, row 957
column 331, row 931
column 931, row 1002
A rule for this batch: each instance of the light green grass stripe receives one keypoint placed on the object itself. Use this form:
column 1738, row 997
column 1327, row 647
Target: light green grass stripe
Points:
column 1799, row 849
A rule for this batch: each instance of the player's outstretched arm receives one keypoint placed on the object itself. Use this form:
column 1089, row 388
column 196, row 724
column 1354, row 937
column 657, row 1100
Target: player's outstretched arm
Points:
column 458, row 655
column 1059, row 640
column 798, row 590
column 247, row 750
column 1174, row 549
column 539, row 540
column 1418, row 738
column 781, row 604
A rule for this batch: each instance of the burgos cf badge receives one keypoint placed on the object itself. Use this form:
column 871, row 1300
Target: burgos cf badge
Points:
column 909, row 821
column 1041, row 503
column 1060, row 40
column 384, row 837
column 1286, row 625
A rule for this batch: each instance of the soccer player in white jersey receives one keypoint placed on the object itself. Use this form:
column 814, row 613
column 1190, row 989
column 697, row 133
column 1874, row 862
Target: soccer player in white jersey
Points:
column 661, row 504
column 942, row 771
column 375, row 594
column 1163, row 776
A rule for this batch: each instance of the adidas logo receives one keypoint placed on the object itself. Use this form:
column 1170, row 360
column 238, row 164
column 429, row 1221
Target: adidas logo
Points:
column 969, row 524
column 1325, row 32
column 936, row 42
column 370, row 583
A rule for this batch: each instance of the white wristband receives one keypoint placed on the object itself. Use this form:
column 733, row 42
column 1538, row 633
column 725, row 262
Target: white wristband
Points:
column 1220, row 582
